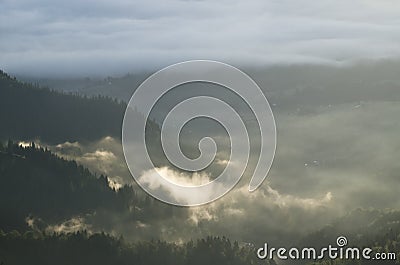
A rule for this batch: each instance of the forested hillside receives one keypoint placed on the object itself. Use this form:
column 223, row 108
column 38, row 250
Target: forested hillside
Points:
column 31, row 112
column 37, row 183
column 41, row 192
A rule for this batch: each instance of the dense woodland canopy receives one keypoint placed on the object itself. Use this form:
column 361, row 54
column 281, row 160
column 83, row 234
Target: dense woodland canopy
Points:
column 37, row 183
column 81, row 248
column 31, row 112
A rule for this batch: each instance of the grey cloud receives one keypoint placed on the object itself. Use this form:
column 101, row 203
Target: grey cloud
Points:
column 356, row 153
column 102, row 37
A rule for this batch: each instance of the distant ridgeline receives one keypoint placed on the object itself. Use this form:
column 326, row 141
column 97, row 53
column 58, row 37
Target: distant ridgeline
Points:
column 30, row 112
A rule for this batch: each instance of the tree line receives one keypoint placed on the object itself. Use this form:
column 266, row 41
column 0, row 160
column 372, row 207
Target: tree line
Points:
column 28, row 111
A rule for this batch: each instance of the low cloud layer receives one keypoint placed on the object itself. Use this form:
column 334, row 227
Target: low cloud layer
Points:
column 102, row 157
column 46, row 38
column 328, row 162
column 337, row 150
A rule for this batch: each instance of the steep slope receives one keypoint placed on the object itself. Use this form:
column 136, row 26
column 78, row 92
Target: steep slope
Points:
column 38, row 184
column 31, row 112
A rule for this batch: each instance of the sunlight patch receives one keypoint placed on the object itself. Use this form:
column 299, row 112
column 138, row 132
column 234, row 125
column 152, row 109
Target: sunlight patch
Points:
column 72, row 225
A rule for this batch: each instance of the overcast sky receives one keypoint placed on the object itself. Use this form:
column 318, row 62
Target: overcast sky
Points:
column 86, row 37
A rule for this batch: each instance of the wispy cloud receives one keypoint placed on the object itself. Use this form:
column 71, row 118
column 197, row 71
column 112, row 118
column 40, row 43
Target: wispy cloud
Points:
column 102, row 37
